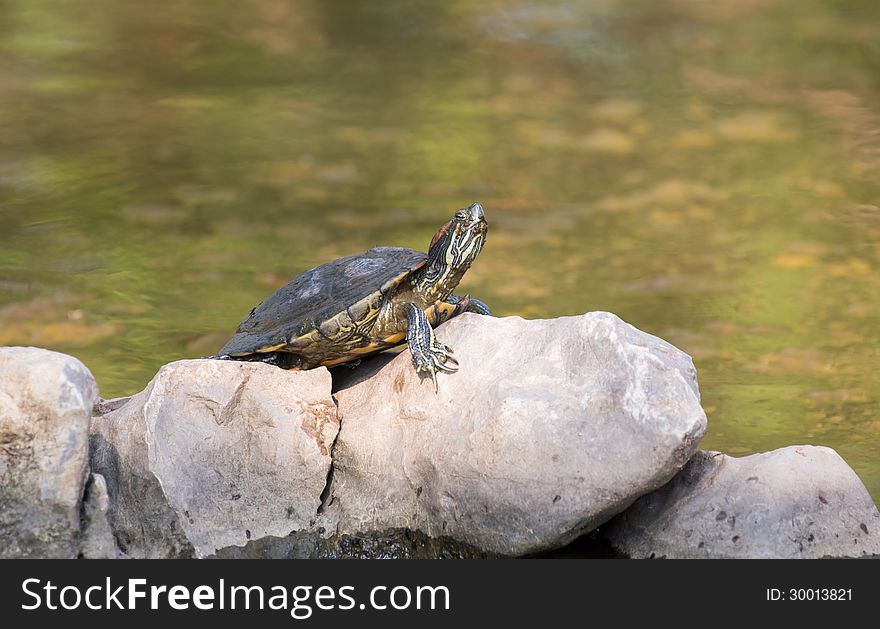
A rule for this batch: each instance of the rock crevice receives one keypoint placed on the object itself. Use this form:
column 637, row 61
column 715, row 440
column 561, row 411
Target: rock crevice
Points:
column 326, row 492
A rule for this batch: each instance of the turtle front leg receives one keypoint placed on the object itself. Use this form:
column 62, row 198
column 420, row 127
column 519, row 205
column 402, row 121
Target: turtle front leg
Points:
column 469, row 304
column 428, row 354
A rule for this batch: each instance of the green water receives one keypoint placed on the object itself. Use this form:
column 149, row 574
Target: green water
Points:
column 709, row 171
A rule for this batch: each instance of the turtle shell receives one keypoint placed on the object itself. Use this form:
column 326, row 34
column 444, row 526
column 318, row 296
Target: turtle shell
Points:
column 339, row 294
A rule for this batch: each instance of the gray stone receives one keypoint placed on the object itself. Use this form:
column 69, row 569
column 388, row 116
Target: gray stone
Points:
column 98, row 541
column 143, row 522
column 795, row 502
column 102, row 406
column 550, row 428
column 215, row 453
column 45, row 402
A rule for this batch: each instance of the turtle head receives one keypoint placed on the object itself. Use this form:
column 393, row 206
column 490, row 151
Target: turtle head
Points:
column 453, row 249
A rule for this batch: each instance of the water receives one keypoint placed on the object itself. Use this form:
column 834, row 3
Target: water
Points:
column 708, row 171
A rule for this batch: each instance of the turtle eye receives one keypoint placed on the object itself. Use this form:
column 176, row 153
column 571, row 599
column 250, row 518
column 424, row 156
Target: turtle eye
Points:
column 461, row 215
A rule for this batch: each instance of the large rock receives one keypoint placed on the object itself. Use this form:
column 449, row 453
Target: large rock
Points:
column 796, row 502
column 549, row 428
column 215, row 453
column 45, row 403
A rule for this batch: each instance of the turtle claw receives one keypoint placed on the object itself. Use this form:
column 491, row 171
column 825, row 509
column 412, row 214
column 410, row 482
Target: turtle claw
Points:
column 450, row 368
column 443, row 358
column 435, row 359
column 445, row 361
column 430, row 366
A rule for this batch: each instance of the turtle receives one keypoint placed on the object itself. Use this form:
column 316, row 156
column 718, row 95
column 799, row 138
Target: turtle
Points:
column 339, row 312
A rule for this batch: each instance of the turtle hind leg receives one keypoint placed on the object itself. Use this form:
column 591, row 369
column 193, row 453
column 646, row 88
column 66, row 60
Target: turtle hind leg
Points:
column 469, row 304
column 428, row 354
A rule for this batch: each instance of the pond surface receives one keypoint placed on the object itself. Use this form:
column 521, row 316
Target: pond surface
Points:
column 709, row 171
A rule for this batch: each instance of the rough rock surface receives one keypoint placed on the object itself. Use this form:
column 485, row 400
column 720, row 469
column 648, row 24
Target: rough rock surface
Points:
column 795, row 502
column 215, row 453
column 143, row 522
column 550, row 428
column 45, row 402
column 98, row 541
